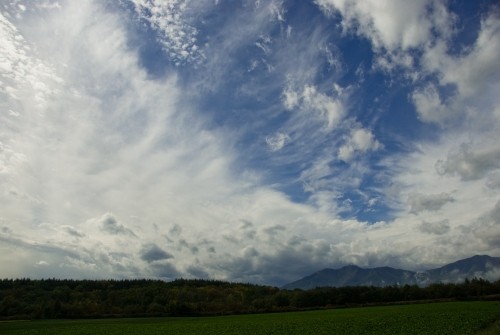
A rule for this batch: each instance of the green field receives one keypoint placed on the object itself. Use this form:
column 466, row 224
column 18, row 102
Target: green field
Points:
column 436, row 318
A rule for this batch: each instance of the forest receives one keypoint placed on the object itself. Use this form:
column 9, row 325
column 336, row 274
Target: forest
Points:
column 73, row 299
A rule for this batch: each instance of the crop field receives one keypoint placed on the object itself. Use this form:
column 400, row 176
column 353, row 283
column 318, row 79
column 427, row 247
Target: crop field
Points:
column 436, row 318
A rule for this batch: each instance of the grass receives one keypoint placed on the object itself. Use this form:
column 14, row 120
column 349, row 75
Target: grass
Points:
column 493, row 329
column 437, row 318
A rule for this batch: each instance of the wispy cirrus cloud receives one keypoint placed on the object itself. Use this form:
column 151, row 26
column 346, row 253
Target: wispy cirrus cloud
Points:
column 327, row 109
column 277, row 142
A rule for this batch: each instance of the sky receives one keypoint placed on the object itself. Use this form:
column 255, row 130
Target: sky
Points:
column 248, row 141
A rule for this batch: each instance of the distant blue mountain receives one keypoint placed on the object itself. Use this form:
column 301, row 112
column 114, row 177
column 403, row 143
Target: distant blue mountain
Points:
column 485, row 267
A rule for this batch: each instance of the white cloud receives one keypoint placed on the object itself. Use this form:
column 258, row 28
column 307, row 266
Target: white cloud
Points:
column 360, row 140
column 316, row 176
column 328, row 109
column 476, row 70
column 396, row 29
column 486, row 228
column 20, row 72
column 439, row 228
column 177, row 36
column 98, row 143
column 449, row 181
column 278, row 9
column 447, row 204
column 115, row 141
column 471, row 162
column 428, row 202
column 390, row 24
column 72, row 231
column 277, row 142
column 493, row 180
column 473, row 73
column 429, row 106
column 290, row 98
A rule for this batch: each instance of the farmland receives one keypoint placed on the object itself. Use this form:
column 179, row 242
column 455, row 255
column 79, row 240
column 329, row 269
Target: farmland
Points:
column 436, row 318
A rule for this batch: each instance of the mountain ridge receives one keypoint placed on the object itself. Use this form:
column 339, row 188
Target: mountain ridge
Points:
column 478, row 266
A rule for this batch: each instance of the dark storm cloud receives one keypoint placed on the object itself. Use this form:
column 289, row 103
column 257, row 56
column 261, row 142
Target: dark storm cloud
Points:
column 109, row 224
column 152, row 252
column 165, row 270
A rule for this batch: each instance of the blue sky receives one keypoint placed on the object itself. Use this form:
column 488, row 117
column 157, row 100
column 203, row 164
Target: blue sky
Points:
column 253, row 141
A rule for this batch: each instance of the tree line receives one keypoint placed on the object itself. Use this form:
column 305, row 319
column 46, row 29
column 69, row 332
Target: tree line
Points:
column 54, row 298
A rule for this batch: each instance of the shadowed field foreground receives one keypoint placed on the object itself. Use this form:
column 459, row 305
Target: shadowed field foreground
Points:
column 436, row 318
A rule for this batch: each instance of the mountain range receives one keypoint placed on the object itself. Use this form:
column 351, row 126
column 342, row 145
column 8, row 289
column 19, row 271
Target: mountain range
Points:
column 479, row 266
